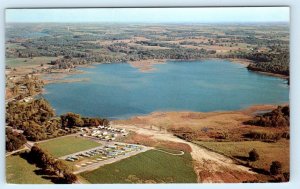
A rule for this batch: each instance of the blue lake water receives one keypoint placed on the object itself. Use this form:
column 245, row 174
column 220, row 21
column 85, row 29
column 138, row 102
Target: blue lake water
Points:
column 119, row 91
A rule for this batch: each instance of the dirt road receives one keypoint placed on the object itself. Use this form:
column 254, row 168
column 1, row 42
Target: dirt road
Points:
column 210, row 167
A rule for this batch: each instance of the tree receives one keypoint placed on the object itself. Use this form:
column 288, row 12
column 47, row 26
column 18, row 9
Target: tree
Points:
column 60, row 167
column 14, row 140
column 35, row 132
column 70, row 177
column 71, row 119
column 275, row 168
column 253, row 155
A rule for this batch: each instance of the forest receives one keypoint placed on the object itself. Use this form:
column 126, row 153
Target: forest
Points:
column 38, row 120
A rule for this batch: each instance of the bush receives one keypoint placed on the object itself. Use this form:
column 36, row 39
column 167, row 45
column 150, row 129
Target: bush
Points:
column 264, row 136
column 280, row 117
column 71, row 119
column 275, row 168
column 253, row 155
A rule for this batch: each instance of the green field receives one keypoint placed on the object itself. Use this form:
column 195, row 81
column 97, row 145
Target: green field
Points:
column 148, row 167
column 67, row 145
column 16, row 62
column 19, row 171
column 268, row 152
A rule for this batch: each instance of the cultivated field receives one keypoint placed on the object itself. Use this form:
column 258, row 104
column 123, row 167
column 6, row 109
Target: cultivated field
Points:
column 67, row 145
column 148, row 167
column 19, row 171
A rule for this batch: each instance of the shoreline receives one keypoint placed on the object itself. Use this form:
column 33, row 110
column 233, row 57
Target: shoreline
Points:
column 146, row 65
column 247, row 111
column 271, row 74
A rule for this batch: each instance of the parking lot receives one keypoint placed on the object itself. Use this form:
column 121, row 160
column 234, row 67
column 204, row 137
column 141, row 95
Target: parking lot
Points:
column 102, row 155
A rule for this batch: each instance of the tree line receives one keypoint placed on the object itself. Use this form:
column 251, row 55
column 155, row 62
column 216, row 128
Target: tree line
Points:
column 50, row 165
column 37, row 120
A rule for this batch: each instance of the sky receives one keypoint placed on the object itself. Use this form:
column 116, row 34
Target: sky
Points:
column 151, row 15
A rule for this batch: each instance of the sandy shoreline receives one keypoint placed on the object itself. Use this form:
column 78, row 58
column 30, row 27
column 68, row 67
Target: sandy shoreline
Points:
column 146, row 65
column 156, row 117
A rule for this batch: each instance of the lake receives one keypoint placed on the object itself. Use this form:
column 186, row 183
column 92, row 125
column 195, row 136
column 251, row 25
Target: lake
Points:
column 119, row 91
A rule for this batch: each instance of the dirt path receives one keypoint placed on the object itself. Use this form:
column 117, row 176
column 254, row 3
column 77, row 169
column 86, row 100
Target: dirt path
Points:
column 173, row 154
column 210, row 167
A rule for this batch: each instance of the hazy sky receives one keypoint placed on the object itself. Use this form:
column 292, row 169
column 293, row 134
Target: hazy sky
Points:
column 151, row 15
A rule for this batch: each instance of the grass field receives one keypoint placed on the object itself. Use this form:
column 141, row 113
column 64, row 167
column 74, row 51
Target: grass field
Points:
column 268, row 152
column 148, row 167
column 19, row 171
column 16, row 62
column 67, row 145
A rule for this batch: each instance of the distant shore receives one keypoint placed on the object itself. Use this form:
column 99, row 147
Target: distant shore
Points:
column 188, row 117
column 146, row 65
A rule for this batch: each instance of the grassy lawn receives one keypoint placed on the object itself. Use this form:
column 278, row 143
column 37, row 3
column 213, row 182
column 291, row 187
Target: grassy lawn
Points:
column 148, row 167
column 67, row 145
column 16, row 62
column 268, row 152
column 19, row 171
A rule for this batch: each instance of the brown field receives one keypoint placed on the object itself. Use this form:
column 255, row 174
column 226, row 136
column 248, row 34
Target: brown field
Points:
column 268, row 152
column 208, row 125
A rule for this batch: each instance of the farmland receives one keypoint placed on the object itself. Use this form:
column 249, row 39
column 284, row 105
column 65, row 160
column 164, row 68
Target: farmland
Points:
column 67, row 145
column 148, row 167
column 19, row 171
